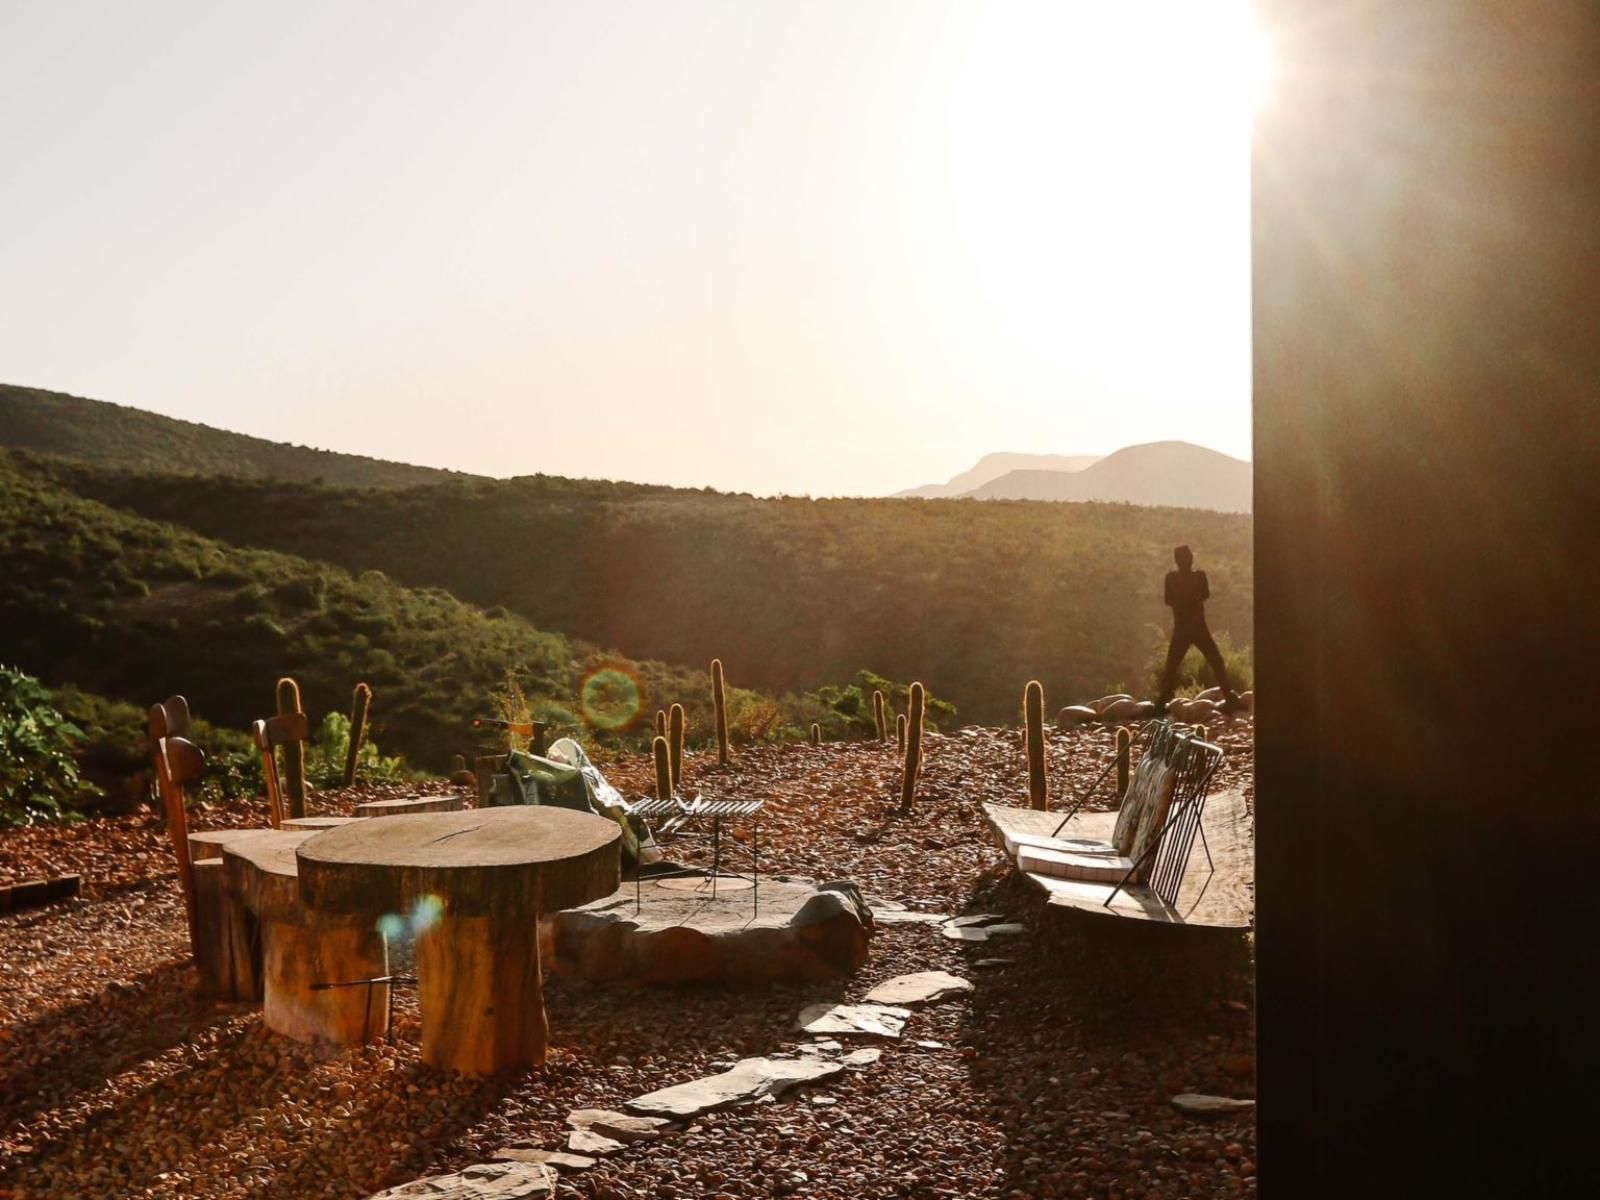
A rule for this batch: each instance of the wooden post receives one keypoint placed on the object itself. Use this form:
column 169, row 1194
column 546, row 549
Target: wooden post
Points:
column 486, row 767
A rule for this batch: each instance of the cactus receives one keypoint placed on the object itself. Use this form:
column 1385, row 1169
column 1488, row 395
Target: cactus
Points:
column 1033, row 716
column 663, row 769
column 880, row 715
column 1124, row 744
column 900, row 732
column 913, row 763
column 294, row 753
column 816, row 734
column 360, row 708
column 675, row 724
column 661, row 722
column 719, row 699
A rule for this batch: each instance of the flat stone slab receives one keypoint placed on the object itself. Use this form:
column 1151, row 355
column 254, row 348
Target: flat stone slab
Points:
column 866, row 1020
column 589, row 1143
column 967, row 920
column 924, row 987
column 906, row 916
column 981, row 933
column 486, row 1181
column 660, row 934
column 860, row 1060
column 559, row 1159
column 1197, row 1104
column 623, row 1127
column 749, row 1080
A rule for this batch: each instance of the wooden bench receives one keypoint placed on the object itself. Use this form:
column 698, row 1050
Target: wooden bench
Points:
column 1134, row 862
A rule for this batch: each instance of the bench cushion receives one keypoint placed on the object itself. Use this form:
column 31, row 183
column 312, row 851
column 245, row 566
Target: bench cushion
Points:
column 1063, row 864
column 1015, row 841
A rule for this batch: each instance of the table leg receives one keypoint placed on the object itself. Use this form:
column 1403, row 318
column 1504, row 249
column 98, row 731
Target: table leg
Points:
column 227, row 948
column 482, row 993
column 296, row 956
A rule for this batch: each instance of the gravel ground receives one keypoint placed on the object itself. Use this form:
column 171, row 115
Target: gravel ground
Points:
column 116, row 1082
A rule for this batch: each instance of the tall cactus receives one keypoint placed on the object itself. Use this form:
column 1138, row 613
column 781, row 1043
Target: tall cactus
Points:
column 880, row 715
column 663, row 769
column 294, row 753
column 360, row 709
column 900, row 732
column 1033, row 716
column 719, row 700
column 675, row 724
column 1124, row 747
column 816, row 734
column 913, row 762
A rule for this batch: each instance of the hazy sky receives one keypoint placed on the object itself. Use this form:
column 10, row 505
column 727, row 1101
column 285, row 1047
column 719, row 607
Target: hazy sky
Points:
column 823, row 247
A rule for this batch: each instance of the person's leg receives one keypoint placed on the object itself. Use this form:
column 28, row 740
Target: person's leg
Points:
column 1176, row 649
column 1208, row 647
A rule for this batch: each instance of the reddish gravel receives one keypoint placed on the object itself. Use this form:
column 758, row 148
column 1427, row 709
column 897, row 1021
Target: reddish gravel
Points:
column 116, row 1082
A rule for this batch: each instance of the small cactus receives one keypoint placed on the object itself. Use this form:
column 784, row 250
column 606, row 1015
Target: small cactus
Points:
column 913, row 763
column 900, row 732
column 675, row 724
column 719, row 700
column 880, row 715
column 1033, row 715
column 1124, row 745
column 294, row 753
column 663, row 769
column 661, row 722
column 816, row 734
column 360, row 709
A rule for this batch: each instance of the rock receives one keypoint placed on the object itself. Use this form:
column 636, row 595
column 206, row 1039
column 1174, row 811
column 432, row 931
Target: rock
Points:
column 967, row 920
column 486, row 1181
column 559, row 1159
column 620, row 1126
column 750, row 1080
column 1106, row 702
column 867, row 1020
column 802, row 931
column 588, row 1142
column 1199, row 1105
column 1127, row 709
column 981, row 933
column 1074, row 715
column 986, row 964
column 904, row 916
column 925, row 987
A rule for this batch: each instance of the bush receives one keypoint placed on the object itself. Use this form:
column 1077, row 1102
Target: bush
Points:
column 846, row 712
column 1194, row 676
column 38, row 774
column 325, row 755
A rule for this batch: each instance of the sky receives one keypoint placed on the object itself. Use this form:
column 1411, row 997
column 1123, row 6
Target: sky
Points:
column 818, row 248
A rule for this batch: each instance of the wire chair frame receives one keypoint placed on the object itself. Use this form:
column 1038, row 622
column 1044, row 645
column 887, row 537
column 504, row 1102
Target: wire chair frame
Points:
column 1171, row 848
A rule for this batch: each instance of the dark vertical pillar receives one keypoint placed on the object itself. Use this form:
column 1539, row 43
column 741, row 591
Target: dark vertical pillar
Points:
column 1427, row 391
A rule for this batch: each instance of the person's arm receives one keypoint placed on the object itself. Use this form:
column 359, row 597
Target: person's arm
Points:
column 1205, row 586
column 1168, row 596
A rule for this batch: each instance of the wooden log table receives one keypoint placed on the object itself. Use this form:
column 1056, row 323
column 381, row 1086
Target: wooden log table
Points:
column 302, row 952
column 487, row 873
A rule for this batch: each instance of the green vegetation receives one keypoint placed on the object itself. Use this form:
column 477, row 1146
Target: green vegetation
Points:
column 847, row 712
column 38, row 771
column 973, row 597
column 131, row 608
column 131, row 439
column 1194, row 676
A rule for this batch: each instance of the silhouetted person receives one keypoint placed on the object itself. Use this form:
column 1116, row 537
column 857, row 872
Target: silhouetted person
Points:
column 1186, row 595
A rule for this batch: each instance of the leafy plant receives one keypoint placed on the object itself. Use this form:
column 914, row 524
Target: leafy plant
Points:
column 330, row 747
column 39, row 776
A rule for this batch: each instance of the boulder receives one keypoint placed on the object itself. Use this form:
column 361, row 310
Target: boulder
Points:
column 1126, row 708
column 802, row 931
column 1106, row 702
column 1074, row 715
column 486, row 1181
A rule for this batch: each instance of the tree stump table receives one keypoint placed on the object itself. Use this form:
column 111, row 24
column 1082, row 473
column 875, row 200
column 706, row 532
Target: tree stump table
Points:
column 303, row 951
column 487, row 874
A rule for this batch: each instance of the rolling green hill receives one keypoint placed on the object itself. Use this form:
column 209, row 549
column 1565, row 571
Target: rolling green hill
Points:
column 113, row 435
column 973, row 597
column 136, row 609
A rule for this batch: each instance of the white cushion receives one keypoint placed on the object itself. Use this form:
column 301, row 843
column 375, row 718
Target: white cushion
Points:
column 1096, row 868
column 1037, row 841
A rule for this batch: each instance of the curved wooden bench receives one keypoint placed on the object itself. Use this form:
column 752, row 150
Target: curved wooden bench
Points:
column 304, row 951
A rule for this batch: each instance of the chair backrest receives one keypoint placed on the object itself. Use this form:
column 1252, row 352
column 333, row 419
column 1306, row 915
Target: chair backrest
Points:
column 1163, row 842
column 1149, row 793
column 170, row 718
column 178, row 763
column 270, row 734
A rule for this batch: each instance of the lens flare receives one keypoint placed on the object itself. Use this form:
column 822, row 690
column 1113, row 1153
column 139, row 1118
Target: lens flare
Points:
column 392, row 925
column 610, row 699
column 425, row 913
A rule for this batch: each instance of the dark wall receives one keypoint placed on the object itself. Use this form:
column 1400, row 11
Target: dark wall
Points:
column 1427, row 379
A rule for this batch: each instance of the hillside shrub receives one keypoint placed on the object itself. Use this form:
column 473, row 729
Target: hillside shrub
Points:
column 39, row 776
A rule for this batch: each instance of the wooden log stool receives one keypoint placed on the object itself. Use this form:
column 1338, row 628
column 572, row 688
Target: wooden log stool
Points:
column 483, row 877
column 303, row 952
column 406, row 806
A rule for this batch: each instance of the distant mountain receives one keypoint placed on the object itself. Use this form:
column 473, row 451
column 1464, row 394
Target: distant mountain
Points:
column 130, row 439
column 992, row 466
column 1168, row 474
